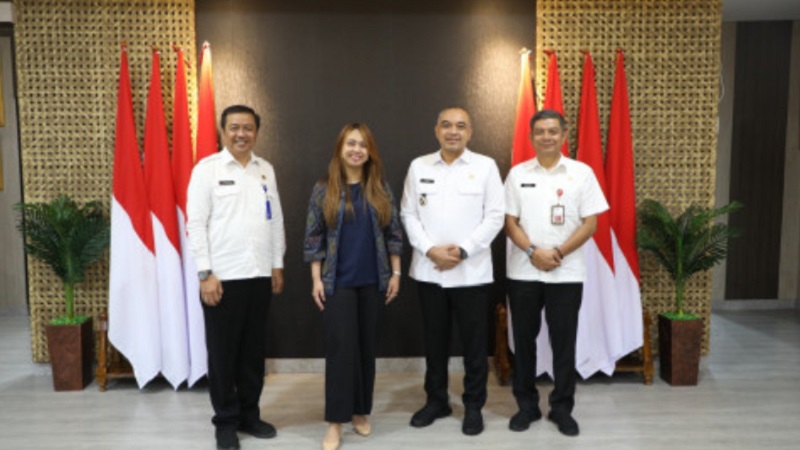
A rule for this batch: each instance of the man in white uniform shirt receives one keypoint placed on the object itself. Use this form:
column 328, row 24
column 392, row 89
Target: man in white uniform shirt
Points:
column 552, row 203
column 235, row 227
column 452, row 209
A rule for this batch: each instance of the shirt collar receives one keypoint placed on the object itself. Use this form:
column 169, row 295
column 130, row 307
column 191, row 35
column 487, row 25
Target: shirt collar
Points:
column 465, row 158
column 228, row 158
column 561, row 165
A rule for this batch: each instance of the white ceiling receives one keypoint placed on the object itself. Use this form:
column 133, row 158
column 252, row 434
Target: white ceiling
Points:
column 747, row 10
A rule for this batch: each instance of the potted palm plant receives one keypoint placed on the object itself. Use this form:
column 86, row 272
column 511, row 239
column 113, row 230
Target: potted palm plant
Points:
column 68, row 238
column 684, row 245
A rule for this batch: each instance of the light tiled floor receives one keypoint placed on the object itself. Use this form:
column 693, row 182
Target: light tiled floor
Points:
column 748, row 398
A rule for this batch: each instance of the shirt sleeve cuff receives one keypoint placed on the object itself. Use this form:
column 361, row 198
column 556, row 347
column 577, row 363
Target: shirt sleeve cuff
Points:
column 468, row 247
column 203, row 264
column 426, row 246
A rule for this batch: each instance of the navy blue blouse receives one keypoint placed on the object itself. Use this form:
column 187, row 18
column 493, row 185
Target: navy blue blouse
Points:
column 357, row 263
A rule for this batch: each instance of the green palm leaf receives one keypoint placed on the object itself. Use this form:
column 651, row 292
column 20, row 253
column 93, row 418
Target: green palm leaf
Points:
column 686, row 244
column 65, row 236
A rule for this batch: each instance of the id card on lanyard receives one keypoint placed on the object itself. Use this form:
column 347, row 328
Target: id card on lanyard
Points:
column 266, row 196
column 557, row 211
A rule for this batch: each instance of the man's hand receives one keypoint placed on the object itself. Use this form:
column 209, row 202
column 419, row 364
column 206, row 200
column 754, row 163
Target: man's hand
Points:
column 211, row 290
column 444, row 257
column 277, row 281
column 455, row 251
column 545, row 259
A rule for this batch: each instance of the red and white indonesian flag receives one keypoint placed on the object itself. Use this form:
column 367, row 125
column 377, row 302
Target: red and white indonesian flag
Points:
column 552, row 93
column 182, row 163
column 161, row 196
column 522, row 149
column 622, row 199
column 133, row 295
column 599, row 341
column 206, row 117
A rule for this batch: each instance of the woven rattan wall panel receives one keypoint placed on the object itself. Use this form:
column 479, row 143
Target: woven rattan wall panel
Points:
column 672, row 61
column 68, row 56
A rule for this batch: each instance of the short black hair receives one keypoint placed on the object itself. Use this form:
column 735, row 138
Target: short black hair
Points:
column 234, row 109
column 549, row 114
column 450, row 108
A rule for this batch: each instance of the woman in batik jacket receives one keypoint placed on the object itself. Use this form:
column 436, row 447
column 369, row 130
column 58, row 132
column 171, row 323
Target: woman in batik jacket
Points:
column 353, row 241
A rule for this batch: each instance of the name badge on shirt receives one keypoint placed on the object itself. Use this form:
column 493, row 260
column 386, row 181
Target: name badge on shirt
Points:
column 427, row 180
column 226, row 182
column 528, row 185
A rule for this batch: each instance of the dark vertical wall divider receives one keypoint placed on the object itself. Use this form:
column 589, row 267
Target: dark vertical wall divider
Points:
column 310, row 66
column 757, row 157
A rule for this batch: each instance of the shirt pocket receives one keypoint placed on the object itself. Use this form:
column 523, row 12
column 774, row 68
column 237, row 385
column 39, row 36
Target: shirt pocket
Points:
column 224, row 199
column 427, row 186
column 428, row 197
column 225, row 191
column 532, row 198
column 469, row 203
column 570, row 200
column 470, row 189
column 470, row 181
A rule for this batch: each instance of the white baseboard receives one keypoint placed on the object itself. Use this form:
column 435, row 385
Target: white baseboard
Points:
column 743, row 305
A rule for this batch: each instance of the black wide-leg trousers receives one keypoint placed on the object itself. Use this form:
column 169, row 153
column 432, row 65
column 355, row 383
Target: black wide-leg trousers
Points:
column 351, row 319
column 235, row 340
column 470, row 305
column 561, row 303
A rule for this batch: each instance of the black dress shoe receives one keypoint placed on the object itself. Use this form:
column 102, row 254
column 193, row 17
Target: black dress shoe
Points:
column 259, row 429
column 473, row 422
column 227, row 439
column 566, row 424
column 428, row 414
column 522, row 420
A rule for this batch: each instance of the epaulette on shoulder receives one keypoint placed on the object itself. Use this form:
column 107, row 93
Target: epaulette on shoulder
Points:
column 208, row 159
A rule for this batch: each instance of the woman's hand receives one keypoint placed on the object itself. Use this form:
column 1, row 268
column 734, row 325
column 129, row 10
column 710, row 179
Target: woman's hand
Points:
column 393, row 289
column 318, row 293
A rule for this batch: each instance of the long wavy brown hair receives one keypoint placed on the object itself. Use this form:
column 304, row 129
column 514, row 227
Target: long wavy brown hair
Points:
column 371, row 179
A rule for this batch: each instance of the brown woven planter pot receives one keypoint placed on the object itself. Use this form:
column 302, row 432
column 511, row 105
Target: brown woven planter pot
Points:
column 679, row 344
column 71, row 350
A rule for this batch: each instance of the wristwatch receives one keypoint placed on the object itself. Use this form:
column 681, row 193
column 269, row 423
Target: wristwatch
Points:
column 529, row 251
column 203, row 274
column 464, row 253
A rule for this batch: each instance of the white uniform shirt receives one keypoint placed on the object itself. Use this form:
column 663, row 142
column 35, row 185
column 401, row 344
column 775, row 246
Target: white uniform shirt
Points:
column 531, row 192
column 232, row 231
column 459, row 203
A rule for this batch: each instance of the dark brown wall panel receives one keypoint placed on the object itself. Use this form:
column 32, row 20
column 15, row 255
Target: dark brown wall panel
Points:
column 309, row 67
column 757, row 158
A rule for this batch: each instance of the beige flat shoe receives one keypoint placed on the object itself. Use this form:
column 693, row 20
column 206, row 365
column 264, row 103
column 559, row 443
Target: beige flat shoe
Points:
column 364, row 429
column 361, row 425
column 329, row 445
column 332, row 444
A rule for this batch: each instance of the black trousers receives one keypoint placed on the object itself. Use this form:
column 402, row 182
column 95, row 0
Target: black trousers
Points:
column 351, row 318
column 235, row 339
column 561, row 303
column 470, row 305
